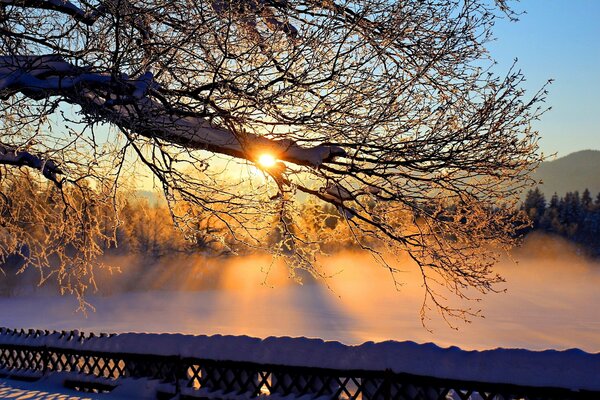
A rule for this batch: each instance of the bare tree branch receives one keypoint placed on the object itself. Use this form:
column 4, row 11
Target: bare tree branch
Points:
column 15, row 157
column 126, row 102
column 63, row 6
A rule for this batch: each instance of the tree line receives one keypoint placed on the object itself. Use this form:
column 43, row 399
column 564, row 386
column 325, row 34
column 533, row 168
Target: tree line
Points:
column 42, row 241
column 574, row 216
column 144, row 227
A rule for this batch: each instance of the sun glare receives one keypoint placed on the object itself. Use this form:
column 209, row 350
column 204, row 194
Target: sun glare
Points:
column 266, row 160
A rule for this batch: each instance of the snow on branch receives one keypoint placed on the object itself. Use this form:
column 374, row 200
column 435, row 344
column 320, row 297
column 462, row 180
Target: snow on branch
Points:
column 63, row 6
column 251, row 12
column 131, row 104
column 12, row 156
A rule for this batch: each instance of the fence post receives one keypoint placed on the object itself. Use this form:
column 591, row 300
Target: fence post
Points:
column 387, row 383
column 179, row 373
column 45, row 360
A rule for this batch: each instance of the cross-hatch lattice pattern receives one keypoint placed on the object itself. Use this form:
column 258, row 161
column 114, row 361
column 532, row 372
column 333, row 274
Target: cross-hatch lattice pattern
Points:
column 254, row 380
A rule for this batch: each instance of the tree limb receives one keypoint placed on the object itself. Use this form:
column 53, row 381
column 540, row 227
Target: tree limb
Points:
column 12, row 156
column 128, row 103
column 63, row 6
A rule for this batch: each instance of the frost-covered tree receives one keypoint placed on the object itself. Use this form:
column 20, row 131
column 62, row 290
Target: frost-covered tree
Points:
column 387, row 110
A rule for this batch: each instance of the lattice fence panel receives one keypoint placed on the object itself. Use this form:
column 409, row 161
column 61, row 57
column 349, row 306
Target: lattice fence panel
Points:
column 250, row 380
column 213, row 376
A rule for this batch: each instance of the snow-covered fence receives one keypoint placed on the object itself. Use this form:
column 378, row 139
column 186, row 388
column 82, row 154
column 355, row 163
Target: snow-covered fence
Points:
column 240, row 367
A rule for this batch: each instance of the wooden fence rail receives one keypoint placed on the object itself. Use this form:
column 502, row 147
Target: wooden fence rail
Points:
column 193, row 378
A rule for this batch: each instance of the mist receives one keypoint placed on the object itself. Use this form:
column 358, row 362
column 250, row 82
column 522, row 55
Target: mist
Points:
column 550, row 301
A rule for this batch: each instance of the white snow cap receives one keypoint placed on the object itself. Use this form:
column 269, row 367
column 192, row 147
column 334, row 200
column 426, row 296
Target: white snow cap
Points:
column 338, row 192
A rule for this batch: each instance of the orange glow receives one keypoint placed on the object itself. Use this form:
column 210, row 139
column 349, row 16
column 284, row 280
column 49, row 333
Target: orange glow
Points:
column 266, row 160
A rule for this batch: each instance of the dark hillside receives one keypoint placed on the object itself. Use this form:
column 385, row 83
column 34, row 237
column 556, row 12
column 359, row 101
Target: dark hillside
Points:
column 574, row 172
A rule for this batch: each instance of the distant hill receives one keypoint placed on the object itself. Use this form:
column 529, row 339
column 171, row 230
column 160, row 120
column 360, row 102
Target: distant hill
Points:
column 576, row 171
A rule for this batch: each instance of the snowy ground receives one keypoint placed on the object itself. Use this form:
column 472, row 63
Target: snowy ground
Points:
column 51, row 387
column 10, row 389
column 552, row 302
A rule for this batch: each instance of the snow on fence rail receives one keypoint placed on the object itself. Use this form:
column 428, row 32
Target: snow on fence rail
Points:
column 240, row 367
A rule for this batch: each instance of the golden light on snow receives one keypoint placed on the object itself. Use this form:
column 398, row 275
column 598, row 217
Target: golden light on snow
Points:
column 266, row 160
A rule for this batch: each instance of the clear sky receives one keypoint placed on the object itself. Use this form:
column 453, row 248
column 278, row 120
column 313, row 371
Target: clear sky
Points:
column 558, row 39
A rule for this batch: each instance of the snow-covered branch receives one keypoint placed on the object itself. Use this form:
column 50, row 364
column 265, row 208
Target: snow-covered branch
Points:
column 128, row 103
column 63, row 6
column 12, row 156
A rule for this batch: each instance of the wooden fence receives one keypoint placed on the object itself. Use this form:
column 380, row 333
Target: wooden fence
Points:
column 195, row 378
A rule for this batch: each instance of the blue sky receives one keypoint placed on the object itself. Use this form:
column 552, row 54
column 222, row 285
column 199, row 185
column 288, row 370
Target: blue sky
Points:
column 558, row 39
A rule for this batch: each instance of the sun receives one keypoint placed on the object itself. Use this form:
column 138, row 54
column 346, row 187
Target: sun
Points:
column 266, row 160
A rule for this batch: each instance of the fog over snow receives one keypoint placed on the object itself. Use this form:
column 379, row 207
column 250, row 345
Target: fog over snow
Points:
column 551, row 302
